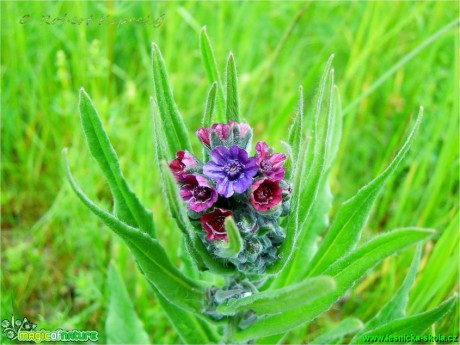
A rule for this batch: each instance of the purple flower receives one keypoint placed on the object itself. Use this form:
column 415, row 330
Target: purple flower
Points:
column 232, row 170
column 197, row 192
column 213, row 223
column 265, row 194
column 270, row 165
column 184, row 161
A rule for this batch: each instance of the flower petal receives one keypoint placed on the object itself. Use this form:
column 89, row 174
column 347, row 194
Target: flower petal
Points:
column 214, row 171
column 225, row 188
column 242, row 184
column 220, row 155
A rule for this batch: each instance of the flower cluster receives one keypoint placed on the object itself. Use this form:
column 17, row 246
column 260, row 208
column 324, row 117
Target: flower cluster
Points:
column 230, row 183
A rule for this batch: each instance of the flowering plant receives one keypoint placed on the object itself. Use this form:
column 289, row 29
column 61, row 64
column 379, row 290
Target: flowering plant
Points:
column 255, row 220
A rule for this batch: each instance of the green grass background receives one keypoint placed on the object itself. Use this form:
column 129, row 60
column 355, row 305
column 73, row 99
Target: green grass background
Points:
column 55, row 254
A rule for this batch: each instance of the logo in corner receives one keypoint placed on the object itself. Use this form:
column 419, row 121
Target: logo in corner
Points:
column 26, row 331
column 11, row 329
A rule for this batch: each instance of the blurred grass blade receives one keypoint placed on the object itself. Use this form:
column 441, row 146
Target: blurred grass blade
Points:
column 334, row 335
column 352, row 216
column 396, row 307
column 411, row 325
column 295, row 132
column 127, row 205
column 232, row 109
column 171, row 120
column 210, row 65
column 210, row 104
column 294, row 296
column 432, row 281
column 122, row 325
column 235, row 242
column 346, row 273
column 190, row 328
column 151, row 257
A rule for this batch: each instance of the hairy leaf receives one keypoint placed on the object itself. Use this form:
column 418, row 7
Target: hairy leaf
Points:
column 346, row 272
column 171, row 120
column 127, row 205
column 277, row 301
column 295, row 131
column 210, row 104
column 346, row 228
column 151, row 258
column 232, row 109
column 306, row 176
column 210, row 65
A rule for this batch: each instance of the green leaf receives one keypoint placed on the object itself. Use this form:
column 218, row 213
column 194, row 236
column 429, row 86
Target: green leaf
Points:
column 210, row 65
column 190, row 329
column 396, row 307
column 127, row 205
column 235, row 242
column 352, row 216
column 151, row 257
column 233, row 103
column 171, row 120
column 277, row 301
column 334, row 335
column 295, row 131
column 309, row 168
column 210, row 103
column 411, row 325
column 122, row 326
column 346, row 272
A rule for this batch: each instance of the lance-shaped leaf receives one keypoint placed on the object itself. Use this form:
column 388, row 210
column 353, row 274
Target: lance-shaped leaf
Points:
column 210, row 104
column 208, row 113
column 150, row 256
column 232, row 109
column 171, row 120
column 123, row 325
column 210, row 65
column 310, row 167
column 191, row 329
column 235, row 242
column 318, row 219
column 335, row 335
column 295, row 131
column 127, row 205
column 352, row 216
column 396, row 307
column 411, row 325
column 277, row 301
column 345, row 272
